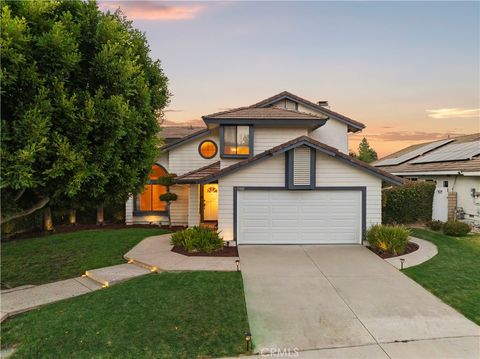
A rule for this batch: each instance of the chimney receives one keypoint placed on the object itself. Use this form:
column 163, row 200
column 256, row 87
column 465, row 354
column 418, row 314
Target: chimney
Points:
column 323, row 103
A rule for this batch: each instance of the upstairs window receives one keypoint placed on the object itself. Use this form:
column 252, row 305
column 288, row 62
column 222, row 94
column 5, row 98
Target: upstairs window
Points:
column 236, row 141
column 149, row 199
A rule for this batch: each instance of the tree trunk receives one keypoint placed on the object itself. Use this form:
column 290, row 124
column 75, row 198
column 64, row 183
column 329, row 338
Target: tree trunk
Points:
column 100, row 217
column 72, row 218
column 39, row 205
column 47, row 220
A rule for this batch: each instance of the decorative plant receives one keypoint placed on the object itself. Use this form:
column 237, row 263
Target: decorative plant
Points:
column 389, row 239
column 198, row 239
column 168, row 197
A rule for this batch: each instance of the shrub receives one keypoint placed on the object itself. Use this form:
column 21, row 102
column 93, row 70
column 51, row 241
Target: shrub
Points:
column 435, row 225
column 409, row 203
column 456, row 228
column 390, row 239
column 198, row 239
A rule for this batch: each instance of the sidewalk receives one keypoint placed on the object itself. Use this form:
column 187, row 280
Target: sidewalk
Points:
column 153, row 254
column 25, row 299
column 426, row 250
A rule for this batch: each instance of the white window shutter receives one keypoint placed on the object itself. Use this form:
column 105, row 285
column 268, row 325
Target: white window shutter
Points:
column 301, row 166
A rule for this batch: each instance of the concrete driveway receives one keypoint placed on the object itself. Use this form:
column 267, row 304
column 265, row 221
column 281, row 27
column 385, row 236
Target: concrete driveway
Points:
column 312, row 298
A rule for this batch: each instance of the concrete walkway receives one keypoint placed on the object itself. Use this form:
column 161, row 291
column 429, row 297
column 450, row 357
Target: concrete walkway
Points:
column 426, row 250
column 24, row 299
column 155, row 252
column 315, row 298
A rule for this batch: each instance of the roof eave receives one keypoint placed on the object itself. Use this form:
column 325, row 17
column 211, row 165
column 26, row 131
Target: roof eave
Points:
column 266, row 122
column 390, row 178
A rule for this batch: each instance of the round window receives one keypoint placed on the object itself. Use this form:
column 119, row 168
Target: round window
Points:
column 207, row 149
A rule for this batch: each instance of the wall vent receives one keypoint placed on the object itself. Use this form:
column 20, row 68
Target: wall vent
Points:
column 301, row 166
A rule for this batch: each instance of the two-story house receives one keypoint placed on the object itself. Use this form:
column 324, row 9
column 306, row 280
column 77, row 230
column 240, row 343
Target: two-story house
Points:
column 276, row 172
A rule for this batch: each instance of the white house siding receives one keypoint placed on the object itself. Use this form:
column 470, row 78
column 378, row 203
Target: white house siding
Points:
column 471, row 205
column 271, row 173
column 268, row 137
column 334, row 133
column 194, row 205
column 332, row 172
column 226, row 162
column 179, row 208
column 185, row 158
column 267, row 173
column 163, row 161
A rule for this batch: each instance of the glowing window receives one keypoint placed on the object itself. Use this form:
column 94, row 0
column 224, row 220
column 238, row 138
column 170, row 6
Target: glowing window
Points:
column 149, row 199
column 207, row 149
column 236, row 141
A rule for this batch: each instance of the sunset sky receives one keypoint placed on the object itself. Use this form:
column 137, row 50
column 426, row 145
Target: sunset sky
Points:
column 409, row 71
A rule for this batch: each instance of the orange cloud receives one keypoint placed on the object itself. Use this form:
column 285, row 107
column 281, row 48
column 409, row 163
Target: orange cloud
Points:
column 454, row 113
column 152, row 10
column 406, row 135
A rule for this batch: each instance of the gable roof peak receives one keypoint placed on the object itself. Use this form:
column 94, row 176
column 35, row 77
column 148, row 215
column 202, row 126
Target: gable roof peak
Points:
column 353, row 126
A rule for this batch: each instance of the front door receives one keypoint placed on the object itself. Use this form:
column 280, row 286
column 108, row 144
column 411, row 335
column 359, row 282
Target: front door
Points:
column 210, row 202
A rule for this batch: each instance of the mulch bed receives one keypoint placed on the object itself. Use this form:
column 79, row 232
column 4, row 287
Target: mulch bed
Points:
column 411, row 247
column 225, row 252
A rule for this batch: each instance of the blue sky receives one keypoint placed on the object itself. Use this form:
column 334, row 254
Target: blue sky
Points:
column 408, row 70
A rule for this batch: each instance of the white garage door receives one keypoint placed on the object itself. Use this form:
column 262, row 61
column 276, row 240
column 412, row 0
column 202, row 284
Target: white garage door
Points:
column 299, row 217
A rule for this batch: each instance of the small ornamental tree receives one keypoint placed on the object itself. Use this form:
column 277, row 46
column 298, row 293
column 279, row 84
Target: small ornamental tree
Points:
column 168, row 197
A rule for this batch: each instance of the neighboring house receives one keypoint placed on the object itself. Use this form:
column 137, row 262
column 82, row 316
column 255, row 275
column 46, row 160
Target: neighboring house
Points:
column 453, row 164
column 174, row 133
column 274, row 172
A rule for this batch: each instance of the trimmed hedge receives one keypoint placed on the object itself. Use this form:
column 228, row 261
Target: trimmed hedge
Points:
column 456, row 228
column 409, row 203
column 435, row 225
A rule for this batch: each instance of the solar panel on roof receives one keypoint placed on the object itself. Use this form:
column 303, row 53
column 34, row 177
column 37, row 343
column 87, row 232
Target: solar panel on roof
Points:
column 453, row 152
column 412, row 154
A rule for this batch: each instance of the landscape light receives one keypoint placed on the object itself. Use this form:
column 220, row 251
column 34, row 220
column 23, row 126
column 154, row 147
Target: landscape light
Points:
column 402, row 260
column 248, row 340
column 237, row 262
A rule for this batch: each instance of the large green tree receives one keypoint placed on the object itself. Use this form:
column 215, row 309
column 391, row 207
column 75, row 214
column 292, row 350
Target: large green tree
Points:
column 365, row 152
column 80, row 101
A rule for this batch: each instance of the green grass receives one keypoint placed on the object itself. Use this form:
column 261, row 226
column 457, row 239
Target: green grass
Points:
column 61, row 256
column 454, row 274
column 167, row 315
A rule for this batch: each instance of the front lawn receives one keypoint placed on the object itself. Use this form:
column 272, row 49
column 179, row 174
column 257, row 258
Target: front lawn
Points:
column 454, row 274
column 167, row 315
column 66, row 255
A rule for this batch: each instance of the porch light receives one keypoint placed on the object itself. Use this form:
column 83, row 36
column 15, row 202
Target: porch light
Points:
column 237, row 262
column 248, row 340
column 402, row 260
